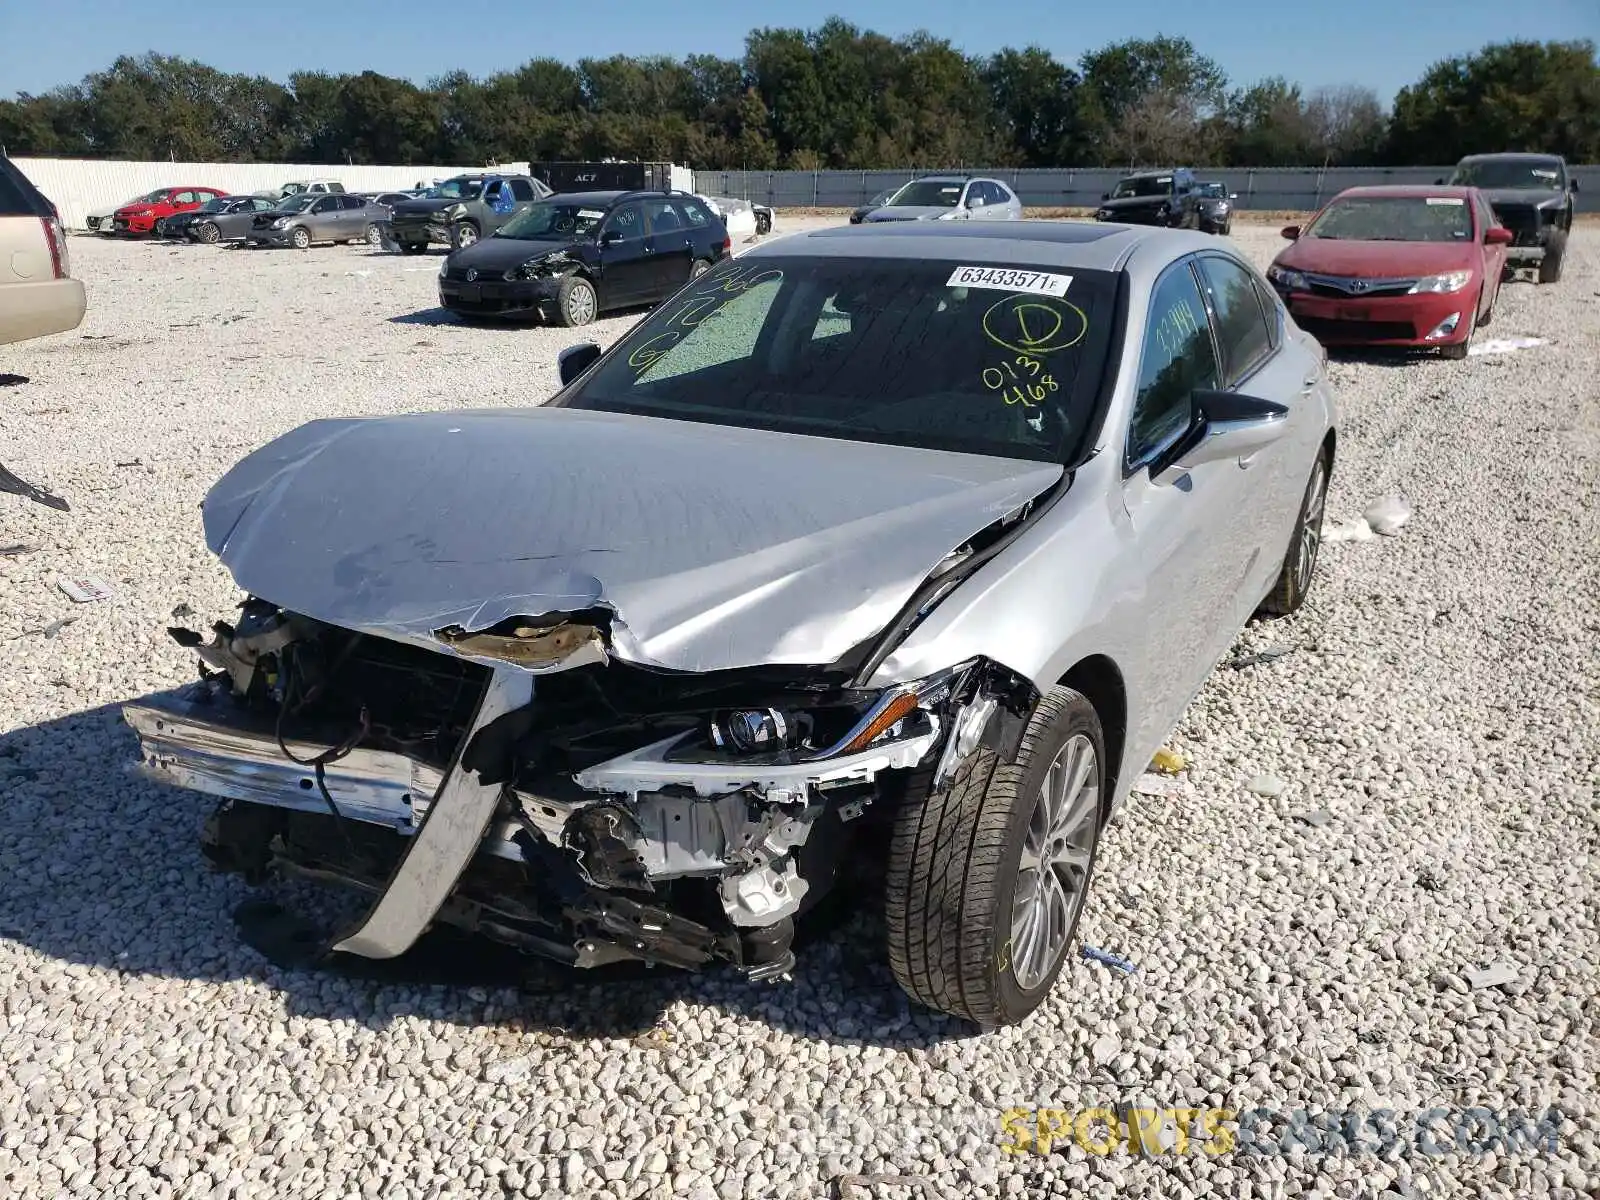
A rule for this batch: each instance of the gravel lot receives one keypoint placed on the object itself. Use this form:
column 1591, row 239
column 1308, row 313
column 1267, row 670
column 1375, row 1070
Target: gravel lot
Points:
column 1436, row 730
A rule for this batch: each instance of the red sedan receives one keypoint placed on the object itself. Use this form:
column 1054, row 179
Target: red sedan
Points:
column 141, row 216
column 1395, row 266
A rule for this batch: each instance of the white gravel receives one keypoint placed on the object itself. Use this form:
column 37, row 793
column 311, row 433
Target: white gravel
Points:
column 1436, row 730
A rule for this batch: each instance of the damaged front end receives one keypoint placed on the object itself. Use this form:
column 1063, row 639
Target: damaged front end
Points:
column 522, row 782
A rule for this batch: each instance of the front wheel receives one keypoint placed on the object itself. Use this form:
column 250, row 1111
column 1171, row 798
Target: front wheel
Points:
column 1300, row 564
column 1550, row 265
column 987, row 877
column 374, row 235
column 463, row 234
column 300, row 239
column 209, row 233
column 701, row 266
column 763, row 223
column 576, row 302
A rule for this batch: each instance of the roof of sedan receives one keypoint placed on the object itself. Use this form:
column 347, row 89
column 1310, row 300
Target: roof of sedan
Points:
column 1512, row 156
column 1101, row 246
column 1409, row 191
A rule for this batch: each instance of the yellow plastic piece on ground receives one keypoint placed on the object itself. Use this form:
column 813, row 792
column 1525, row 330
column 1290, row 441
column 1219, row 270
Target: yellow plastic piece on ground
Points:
column 1169, row 762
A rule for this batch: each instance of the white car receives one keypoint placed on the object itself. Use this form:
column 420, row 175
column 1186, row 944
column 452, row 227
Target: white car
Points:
column 99, row 221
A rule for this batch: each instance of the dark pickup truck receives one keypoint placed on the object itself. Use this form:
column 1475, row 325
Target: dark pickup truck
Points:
column 1533, row 196
column 461, row 210
column 1170, row 197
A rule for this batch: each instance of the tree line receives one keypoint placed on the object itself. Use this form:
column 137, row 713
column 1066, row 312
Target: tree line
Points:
column 832, row 97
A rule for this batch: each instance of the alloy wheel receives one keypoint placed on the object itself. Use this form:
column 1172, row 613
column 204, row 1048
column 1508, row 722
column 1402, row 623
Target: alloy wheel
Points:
column 1056, row 855
column 1311, row 527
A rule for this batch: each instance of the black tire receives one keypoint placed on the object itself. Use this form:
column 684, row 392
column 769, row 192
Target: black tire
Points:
column 572, row 309
column 209, row 233
column 699, row 268
column 300, row 237
column 413, row 247
column 955, row 863
column 462, row 235
column 1550, row 265
column 764, row 223
column 1300, row 562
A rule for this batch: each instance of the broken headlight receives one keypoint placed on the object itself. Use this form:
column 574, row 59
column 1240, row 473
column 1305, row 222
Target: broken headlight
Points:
column 543, row 265
column 901, row 713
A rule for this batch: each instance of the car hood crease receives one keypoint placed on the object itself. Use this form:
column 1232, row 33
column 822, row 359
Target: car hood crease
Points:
column 713, row 547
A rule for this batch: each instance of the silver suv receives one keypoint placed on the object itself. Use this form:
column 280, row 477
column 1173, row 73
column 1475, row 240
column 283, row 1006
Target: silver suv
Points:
column 950, row 198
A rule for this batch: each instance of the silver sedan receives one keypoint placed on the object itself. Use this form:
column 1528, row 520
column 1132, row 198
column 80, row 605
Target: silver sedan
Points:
column 301, row 220
column 895, row 542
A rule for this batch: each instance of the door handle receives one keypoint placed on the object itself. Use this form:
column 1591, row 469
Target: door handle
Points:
column 1309, row 383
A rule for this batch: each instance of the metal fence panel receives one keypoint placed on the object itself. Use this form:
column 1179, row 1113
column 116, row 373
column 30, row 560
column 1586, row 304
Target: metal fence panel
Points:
column 1261, row 189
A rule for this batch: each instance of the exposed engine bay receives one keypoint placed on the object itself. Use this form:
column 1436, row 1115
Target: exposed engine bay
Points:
column 520, row 782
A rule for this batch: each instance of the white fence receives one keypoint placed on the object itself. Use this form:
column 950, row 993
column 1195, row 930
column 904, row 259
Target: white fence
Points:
column 79, row 187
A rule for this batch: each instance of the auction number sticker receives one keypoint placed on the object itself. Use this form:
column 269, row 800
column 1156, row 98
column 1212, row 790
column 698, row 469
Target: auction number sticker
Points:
column 1038, row 283
column 1446, row 201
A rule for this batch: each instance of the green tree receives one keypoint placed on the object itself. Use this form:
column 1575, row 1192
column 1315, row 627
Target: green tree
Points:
column 1035, row 101
column 1534, row 96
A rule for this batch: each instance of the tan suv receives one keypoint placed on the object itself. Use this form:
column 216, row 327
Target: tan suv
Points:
column 37, row 292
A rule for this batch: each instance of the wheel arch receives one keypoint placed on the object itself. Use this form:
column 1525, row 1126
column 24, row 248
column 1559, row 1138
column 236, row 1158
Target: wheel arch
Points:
column 1099, row 680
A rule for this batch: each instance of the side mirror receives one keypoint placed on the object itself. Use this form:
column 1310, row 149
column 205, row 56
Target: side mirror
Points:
column 611, row 237
column 575, row 360
column 1222, row 425
column 974, row 201
column 1497, row 235
column 1105, row 195
column 1291, row 232
column 1233, row 195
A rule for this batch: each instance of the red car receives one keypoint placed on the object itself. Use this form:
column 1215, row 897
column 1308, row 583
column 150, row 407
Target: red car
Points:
column 1412, row 267
column 141, row 216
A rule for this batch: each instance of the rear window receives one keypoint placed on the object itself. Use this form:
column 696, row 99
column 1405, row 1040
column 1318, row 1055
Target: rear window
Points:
column 18, row 196
column 976, row 357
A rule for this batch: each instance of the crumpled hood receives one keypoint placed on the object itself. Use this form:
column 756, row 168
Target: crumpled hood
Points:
column 1136, row 204
column 421, row 207
column 713, row 547
column 1524, row 197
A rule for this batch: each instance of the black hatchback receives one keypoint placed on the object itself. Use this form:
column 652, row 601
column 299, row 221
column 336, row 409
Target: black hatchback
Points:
column 576, row 254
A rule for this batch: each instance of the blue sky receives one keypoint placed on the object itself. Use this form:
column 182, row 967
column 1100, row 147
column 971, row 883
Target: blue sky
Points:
column 1381, row 43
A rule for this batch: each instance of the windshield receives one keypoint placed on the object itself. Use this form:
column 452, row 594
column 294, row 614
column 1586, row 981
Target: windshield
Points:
column 456, row 189
column 553, row 222
column 1144, row 185
column 1394, row 219
column 976, row 358
column 154, row 197
column 1541, row 174
column 927, row 193
column 296, row 204
column 292, row 189
column 1213, row 191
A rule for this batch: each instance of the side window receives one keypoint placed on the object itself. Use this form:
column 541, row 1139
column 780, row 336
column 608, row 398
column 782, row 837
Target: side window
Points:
column 1177, row 359
column 1242, row 334
column 1002, row 194
column 326, row 204
column 662, row 216
column 184, row 198
column 353, row 202
column 262, row 204
column 625, row 221
column 1273, row 307
column 521, row 189
column 693, row 214
column 977, row 195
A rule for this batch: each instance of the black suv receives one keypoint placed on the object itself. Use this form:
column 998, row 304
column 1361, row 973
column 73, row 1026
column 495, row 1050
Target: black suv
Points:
column 578, row 253
column 1170, row 198
column 1533, row 196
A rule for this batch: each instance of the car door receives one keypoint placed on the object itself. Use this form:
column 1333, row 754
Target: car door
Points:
column 522, row 194
column 1259, row 359
column 671, row 246
column 355, row 215
column 1187, row 547
column 323, row 219
column 627, row 273
column 1494, row 257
